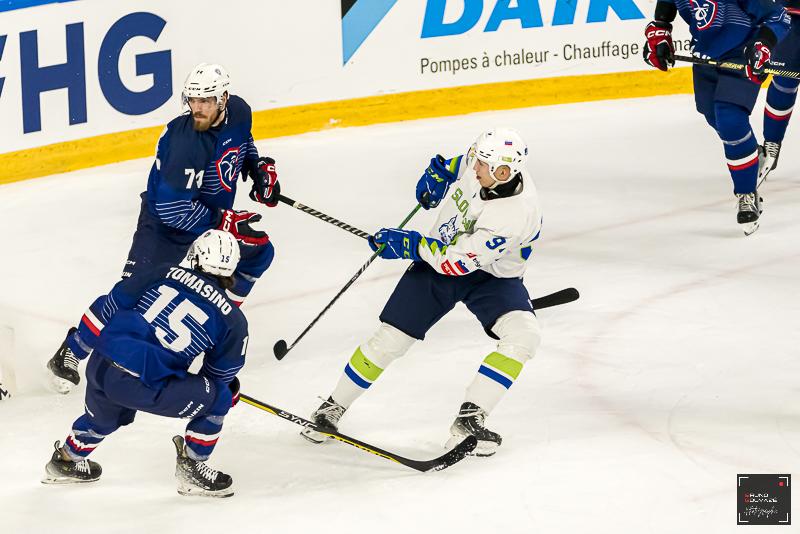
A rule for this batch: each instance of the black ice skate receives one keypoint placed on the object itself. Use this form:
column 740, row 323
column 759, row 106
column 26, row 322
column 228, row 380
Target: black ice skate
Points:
column 195, row 478
column 62, row 470
column 767, row 159
column 326, row 417
column 749, row 211
column 469, row 422
column 64, row 366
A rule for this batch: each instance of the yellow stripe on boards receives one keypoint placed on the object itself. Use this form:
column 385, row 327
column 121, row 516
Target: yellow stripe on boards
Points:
column 279, row 122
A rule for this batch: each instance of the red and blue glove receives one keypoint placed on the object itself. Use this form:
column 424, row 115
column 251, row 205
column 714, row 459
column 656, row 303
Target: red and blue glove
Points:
column 266, row 187
column 433, row 185
column 238, row 224
column 659, row 51
column 397, row 244
column 757, row 55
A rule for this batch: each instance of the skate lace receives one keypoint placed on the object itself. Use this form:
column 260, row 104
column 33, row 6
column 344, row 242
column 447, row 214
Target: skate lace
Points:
column 331, row 411
column 747, row 202
column 772, row 149
column 70, row 361
column 477, row 413
column 207, row 472
column 83, row 467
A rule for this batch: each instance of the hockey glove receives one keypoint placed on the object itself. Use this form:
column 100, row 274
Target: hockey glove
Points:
column 234, row 386
column 266, row 187
column 398, row 244
column 433, row 185
column 757, row 55
column 238, row 224
column 659, row 52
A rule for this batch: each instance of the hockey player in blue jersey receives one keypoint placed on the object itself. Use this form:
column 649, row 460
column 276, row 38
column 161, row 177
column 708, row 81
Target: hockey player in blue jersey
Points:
column 476, row 253
column 782, row 93
column 191, row 189
column 148, row 332
column 735, row 30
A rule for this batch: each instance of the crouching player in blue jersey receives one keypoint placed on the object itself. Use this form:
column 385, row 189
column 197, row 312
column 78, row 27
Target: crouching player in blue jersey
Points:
column 736, row 30
column 150, row 331
column 478, row 253
column 190, row 190
column 782, row 93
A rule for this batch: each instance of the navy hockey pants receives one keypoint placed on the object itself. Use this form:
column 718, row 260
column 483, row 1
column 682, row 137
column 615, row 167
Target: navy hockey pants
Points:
column 423, row 296
column 114, row 395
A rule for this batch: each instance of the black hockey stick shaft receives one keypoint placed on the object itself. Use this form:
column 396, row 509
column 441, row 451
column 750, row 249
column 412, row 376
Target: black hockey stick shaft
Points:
column 558, row 298
column 323, row 217
column 281, row 349
column 730, row 65
column 436, row 464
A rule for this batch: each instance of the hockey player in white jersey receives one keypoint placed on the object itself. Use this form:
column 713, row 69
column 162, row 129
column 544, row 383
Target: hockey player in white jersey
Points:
column 476, row 253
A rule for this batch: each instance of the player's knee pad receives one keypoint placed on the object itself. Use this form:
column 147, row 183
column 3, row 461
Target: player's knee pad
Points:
column 733, row 123
column 386, row 345
column 519, row 334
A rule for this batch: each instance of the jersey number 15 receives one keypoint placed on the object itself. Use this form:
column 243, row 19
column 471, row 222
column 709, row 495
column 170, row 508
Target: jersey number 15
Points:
column 178, row 330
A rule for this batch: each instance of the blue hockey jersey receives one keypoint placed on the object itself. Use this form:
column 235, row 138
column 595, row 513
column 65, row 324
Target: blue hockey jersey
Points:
column 195, row 173
column 155, row 326
column 720, row 29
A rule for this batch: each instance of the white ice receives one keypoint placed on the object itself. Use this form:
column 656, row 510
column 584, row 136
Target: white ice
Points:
column 676, row 370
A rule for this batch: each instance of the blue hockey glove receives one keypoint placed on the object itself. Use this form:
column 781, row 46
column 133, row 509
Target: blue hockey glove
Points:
column 399, row 244
column 433, row 185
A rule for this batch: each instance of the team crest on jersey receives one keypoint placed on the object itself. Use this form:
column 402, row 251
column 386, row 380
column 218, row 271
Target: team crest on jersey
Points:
column 226, row 168
column 705, row 12
column 447, row 231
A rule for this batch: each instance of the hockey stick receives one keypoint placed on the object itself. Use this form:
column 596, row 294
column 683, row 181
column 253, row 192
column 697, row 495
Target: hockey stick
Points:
column 437, row 464
column 281, row 348
column 730, row 65
column 556, row 299
column 327, row 218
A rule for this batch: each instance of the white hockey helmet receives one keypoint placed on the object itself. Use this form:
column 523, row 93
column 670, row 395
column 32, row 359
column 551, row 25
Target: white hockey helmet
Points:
column 215, row 252
column 206, row 80
column 501, row 146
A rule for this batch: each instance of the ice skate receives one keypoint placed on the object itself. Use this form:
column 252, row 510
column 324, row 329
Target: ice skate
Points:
column 62, row 470
column 195, row 478
column 470, row 422
column 64, row 367
column 767, row 159
column 326, row 417
column 749, row 211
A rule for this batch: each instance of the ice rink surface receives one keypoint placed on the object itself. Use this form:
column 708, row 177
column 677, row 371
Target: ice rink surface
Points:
column 677, row 369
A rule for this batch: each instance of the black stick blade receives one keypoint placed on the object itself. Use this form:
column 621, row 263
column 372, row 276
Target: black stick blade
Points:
column 556, row 299
column 280, row 349
column 456, row 455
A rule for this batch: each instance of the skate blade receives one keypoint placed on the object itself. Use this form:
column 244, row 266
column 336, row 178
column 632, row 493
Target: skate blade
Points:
column 750, row 228
column 193, row 491
column 766, row 168
column 315, row 437
column 60, row 481
column 762, row 178
column 61, row 386
column 482, row 450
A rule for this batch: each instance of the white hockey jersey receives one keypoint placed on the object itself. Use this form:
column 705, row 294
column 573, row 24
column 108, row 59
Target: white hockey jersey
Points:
column 494, row 235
